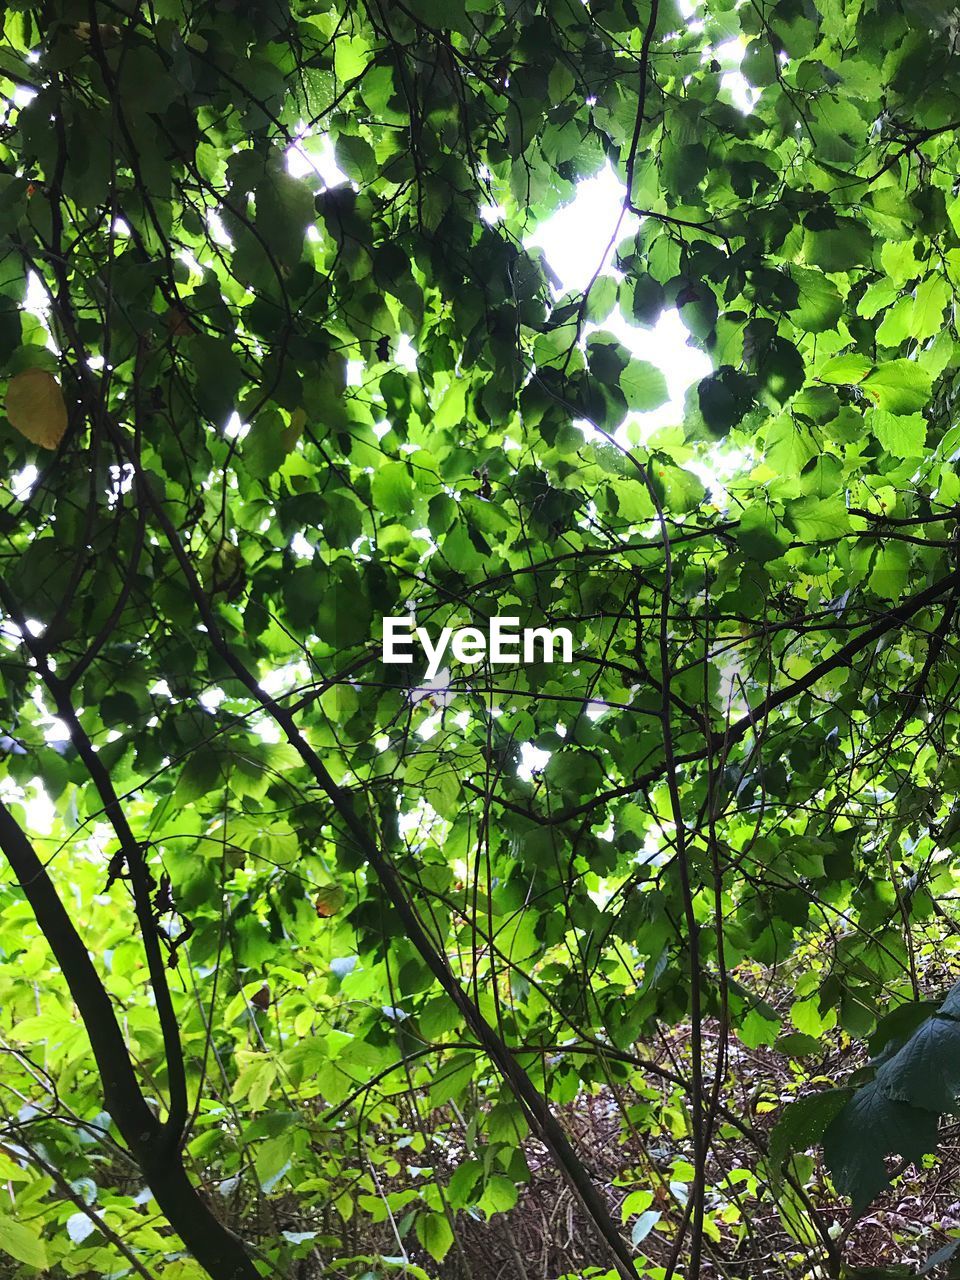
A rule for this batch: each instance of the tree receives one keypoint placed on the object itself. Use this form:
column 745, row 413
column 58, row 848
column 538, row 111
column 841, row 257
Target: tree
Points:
column 274, row 913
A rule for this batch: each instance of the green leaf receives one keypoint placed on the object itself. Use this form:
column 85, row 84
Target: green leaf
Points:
column 846, row 244
column 499, row 1195
column 801, row 1124
column 350, row 56
column 820, row 304
column 925, row 1071
column 452, row 1079
column 273, row 1160
column 393, row 489
column 344, row 614
column 807, row 1018
column 817, row 519
column 22, row 1242
column 930, row 301
column 463, row 1183
column 643, row 385
column 878, row 296
column 899, row 386
column 891, row 571
column 951, row 1005
column 725, row 398
column 798, row 1045
column 902, row 436
column 267, row 444
column 847, row 368
column 576, row 773
column 895, row 326
column 602, row 299
column 284, row 211
column 870, row 1127
column 900, row 1023
column 203, row 774
column 677, row 488
column 759, row 536
column 435, row 1234
column 757, row 1029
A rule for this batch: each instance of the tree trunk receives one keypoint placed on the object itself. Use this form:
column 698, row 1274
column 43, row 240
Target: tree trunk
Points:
column 221, row 1254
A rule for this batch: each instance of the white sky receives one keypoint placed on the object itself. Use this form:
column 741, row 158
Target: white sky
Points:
column 573, row 242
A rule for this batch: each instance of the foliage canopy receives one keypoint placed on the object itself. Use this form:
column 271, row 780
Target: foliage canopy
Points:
column 340, row 961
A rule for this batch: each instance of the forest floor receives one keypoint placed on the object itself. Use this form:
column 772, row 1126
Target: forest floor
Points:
column 753, row 1236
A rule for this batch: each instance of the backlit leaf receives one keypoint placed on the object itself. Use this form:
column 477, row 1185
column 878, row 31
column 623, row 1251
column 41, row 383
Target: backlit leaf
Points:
column 329, row 900
column 35, row 406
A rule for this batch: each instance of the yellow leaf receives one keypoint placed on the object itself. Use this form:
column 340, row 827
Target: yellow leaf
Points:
column 35, row 407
